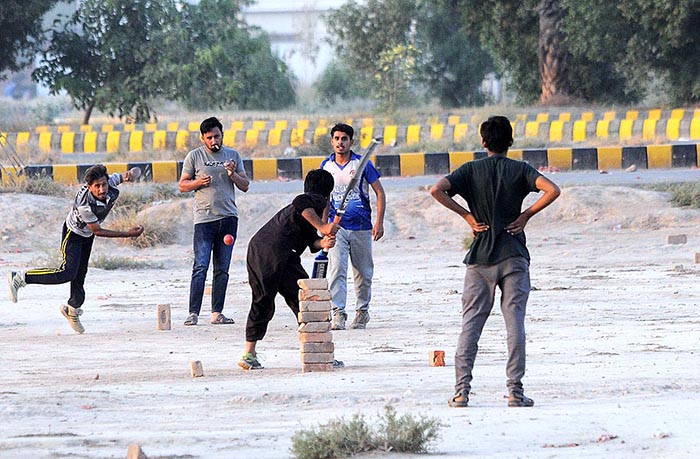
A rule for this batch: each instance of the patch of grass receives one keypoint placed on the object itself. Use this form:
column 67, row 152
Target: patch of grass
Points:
column 111, row 263
column 681, row 194
column 467, row 242
column 154, row 232
column 41, row 185
column 136, row 196
column 342, row 438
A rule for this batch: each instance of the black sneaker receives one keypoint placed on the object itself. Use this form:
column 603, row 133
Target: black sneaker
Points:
column 520, row 400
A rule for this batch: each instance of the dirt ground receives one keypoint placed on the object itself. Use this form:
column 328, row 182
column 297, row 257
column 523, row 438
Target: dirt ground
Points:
column 613, row 337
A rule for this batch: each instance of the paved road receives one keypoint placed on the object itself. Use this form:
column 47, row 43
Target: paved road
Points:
column 618, row 177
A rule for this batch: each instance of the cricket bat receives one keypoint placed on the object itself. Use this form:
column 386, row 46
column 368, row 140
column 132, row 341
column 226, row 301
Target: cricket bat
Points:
column 321, row 262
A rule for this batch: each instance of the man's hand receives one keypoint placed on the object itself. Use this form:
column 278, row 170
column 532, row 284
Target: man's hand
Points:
column 204, row 180
column 378, row 231
column 230, row 167
column 476, row 226
column 329, row 229
column 328, row 242
column 136, row 231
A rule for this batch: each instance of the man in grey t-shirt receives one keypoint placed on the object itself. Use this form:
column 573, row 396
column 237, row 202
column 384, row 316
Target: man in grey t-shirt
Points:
column 213, row 172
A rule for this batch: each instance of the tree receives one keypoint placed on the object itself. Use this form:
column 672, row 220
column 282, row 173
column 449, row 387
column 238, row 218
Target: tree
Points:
column 108, row 56
column 22, row 34
column 218, row 60
column 396, row 69
column 666, row 41
column 453, row 63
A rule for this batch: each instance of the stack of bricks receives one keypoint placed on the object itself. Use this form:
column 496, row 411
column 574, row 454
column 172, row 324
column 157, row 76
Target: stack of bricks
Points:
column 314, row 325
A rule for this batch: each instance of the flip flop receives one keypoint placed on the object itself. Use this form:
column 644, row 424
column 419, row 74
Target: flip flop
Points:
column 192, row 319
column 221, row 319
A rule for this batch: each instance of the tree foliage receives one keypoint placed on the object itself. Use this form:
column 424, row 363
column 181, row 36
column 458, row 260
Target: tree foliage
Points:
column 22, row 34
column 108, row 56
column 221, row 61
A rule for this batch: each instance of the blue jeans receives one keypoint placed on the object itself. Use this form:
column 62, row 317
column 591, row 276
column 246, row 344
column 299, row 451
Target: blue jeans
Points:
column 208, row 239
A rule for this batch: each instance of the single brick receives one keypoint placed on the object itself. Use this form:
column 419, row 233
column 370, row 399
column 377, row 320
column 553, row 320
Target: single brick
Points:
column 313, row 284
column 163, row 317
column 676, row 239
column 314, row 327
column 437, row 358
column 697, row 257
column 317, row 357
column 312, row 367
column 305, row 317
column 196, row 369
column 315, row 306
column 317, row 347
column 314, row 295
column 326, row 337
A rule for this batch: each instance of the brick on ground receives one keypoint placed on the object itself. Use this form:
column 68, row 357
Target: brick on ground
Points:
column 196, row 369
column 676, row 239
column 313, row 367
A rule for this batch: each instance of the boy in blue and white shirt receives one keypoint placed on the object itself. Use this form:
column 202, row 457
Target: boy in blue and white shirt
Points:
column 354, row 239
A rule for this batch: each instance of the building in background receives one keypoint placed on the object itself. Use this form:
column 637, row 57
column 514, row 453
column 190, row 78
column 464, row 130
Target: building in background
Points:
column 297, row 32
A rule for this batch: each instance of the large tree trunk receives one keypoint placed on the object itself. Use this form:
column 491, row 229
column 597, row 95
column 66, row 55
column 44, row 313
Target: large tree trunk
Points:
column 553, row 55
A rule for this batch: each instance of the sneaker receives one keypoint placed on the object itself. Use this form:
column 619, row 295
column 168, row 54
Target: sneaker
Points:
column 361, row 319
column 249, row 362
column 192, row 319
column 520, row 400
column 73, row 316
column 15, row 281
column 338, row 321
column 460, row 400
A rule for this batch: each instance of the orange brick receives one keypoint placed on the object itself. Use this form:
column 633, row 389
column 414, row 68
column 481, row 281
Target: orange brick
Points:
column 305, row 317
column 196, row 369
column 317, row 357
column 315, row 306
column 314, row 327
column 313, row 284
column 326, row 337
column 437, row 358
column 317, row 347
column 313, row 367
column 314, row 295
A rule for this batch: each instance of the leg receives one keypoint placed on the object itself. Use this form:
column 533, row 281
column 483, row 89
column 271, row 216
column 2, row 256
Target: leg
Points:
column 337, row 278
column 222, row 262
column 477, row 302
column 202, row 244
column 77, row 285
column 71, row 253
column 289, row 289
column 515, row 288
column 363, row 271
column 262, row 306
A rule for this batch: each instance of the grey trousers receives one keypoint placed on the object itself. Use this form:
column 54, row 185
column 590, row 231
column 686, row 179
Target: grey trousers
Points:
column 512, row 276
column 357, row 246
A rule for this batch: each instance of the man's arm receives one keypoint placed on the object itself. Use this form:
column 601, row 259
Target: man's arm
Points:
column 136, row 231
column 312, row 217
column 188, row 183
column 551, row 192
column 240, row 179
column 378, row 228
column 439, row 192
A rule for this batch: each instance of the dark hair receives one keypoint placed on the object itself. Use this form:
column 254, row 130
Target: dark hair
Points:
column 497, row 134
column 209, row 124
column 342, row 127
column 319, row 181
column 95, row 173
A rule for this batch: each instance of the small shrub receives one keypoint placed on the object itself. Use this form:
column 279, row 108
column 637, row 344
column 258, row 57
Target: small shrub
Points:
column 340, row 438
column 41, row 185
column 111, row 263
column 155, row 232
column 681, row 194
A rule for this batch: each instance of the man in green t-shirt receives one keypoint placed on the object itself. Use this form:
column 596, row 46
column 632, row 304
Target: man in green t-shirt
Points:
column 494, row 189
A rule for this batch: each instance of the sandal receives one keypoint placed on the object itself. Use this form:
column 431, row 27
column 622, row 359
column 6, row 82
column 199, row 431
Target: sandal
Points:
column 192, row 319
column 220, row 319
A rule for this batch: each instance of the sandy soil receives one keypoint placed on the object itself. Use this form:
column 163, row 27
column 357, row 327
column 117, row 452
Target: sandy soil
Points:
column 613, row 336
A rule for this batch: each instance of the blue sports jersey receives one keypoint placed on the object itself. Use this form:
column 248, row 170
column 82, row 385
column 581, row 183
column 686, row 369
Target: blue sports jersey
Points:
column 358, row 213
